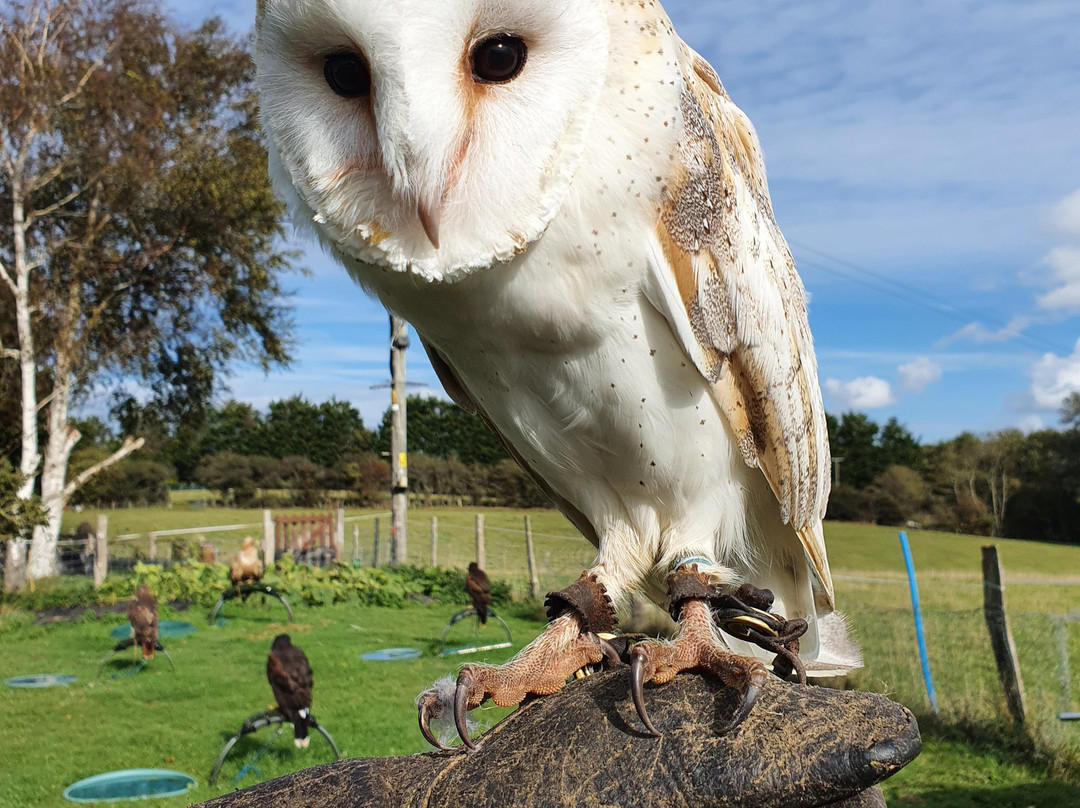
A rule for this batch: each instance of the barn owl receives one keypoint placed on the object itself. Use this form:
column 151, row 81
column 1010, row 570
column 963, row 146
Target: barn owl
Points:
column 563, row 201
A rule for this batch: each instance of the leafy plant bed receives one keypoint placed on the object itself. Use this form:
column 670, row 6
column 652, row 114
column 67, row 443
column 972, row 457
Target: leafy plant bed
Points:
column 201, row 584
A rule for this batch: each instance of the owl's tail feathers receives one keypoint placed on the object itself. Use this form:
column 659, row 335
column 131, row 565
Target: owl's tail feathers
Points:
column 838, row 652
column 827, row 648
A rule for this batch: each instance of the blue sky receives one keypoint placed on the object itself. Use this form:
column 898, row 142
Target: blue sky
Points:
column 924, row 163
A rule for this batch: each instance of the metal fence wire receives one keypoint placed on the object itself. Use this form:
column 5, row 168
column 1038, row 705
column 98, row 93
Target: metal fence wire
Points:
column 1044, row 613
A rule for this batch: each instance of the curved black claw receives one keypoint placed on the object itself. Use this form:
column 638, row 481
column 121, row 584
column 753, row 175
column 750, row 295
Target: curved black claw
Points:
column 611, row 654
column 749, row 697
column 637, row 682
column 461, row 698
column 429, row 708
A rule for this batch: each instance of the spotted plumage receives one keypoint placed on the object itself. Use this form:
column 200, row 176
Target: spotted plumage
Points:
column 585, row 246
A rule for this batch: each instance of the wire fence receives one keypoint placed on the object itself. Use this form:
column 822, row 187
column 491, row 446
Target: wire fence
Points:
column 964, row 673
column 1044, row 612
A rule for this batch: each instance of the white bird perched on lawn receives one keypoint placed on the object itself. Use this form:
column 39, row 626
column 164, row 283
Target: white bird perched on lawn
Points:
column 562, row 200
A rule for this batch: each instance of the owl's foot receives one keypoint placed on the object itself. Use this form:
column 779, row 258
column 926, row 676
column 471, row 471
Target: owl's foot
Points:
column 744, row 614
column 569, row 643
column 698, row 647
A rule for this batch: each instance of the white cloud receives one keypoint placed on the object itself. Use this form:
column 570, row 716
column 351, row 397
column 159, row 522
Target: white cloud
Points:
column 1065, row 263
column 864, row 393
column 1064, row 218
column 917, row 374
column 1053, row 377
column 980, row 334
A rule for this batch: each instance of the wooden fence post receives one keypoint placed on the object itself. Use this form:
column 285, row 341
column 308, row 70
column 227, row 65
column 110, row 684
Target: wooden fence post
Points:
column 534, row 580
column 151, row 550
column 269, row 545
column 101, row 550
column 480, row 560
column 356, row 543
column 339, row 535
column 1000, row 636
column 434, row 541
column 375, row 549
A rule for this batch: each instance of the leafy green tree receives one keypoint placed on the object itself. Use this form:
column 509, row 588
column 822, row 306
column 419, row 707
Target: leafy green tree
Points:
column 303, row 478
column 17, row 516
column 898, row 447
column 235, row 426
column 440, row 428
column 1046, row 502
column 139, row 236
column 322, row 433
column 135, row 480
column 899, row 495
column 229, row 474
column 1070, row 410
column 852, row 440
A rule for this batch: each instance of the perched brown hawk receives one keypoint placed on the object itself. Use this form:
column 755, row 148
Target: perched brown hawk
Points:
column 289, row 674
column 476, row 582
column 143, row 616
column 246, row 568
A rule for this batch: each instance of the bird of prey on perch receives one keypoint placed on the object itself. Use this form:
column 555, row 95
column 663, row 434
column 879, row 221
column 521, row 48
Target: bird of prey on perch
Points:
column 476, row 582
column 567, row 206
column 246, row 568
column 143, row 616
column 290, row 678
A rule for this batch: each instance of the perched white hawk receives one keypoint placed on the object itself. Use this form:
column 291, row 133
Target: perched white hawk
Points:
column 562, row 200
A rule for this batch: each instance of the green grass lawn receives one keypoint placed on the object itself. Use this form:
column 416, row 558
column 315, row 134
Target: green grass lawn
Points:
column 181, row 720
column 156, row 718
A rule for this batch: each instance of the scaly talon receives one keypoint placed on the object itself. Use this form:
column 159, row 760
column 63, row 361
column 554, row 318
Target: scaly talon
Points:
column 753, row 689
column 637, row 682
column 699, row 647
column 461, row 699
column 429, row 708
column 610, row 654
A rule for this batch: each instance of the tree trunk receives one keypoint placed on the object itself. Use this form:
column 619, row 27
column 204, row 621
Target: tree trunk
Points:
column 15, row 565
column 30, row 459
column 15, row 568
column 995, row 500
column 44, row 562
column 56, row 490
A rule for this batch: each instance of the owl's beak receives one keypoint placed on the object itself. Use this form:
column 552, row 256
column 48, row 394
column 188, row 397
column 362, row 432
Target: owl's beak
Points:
column 429, row 209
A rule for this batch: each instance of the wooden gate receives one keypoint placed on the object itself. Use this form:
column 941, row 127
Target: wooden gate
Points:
column 301, row 534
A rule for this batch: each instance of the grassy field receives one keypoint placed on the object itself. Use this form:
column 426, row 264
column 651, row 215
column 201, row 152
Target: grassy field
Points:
column 971, row 756
column 54, row 737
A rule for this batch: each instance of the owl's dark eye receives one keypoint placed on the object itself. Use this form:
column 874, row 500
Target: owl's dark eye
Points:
column 498, row 59
column 348, row 75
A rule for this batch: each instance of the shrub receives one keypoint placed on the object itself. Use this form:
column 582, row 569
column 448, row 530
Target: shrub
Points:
column 202, row 584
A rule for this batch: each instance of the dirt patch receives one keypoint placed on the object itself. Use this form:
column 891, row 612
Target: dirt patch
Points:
column 66, row 614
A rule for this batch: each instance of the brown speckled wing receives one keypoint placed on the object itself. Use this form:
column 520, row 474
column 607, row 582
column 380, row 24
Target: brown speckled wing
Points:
column 733, row 296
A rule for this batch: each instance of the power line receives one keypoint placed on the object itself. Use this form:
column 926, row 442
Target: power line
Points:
column 886, row 285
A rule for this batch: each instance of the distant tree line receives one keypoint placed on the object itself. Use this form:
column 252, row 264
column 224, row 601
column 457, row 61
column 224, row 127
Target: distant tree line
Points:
column 1002, row 484
column 297, row 452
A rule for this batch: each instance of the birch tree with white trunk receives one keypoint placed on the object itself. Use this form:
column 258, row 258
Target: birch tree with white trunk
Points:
column 138, row 233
